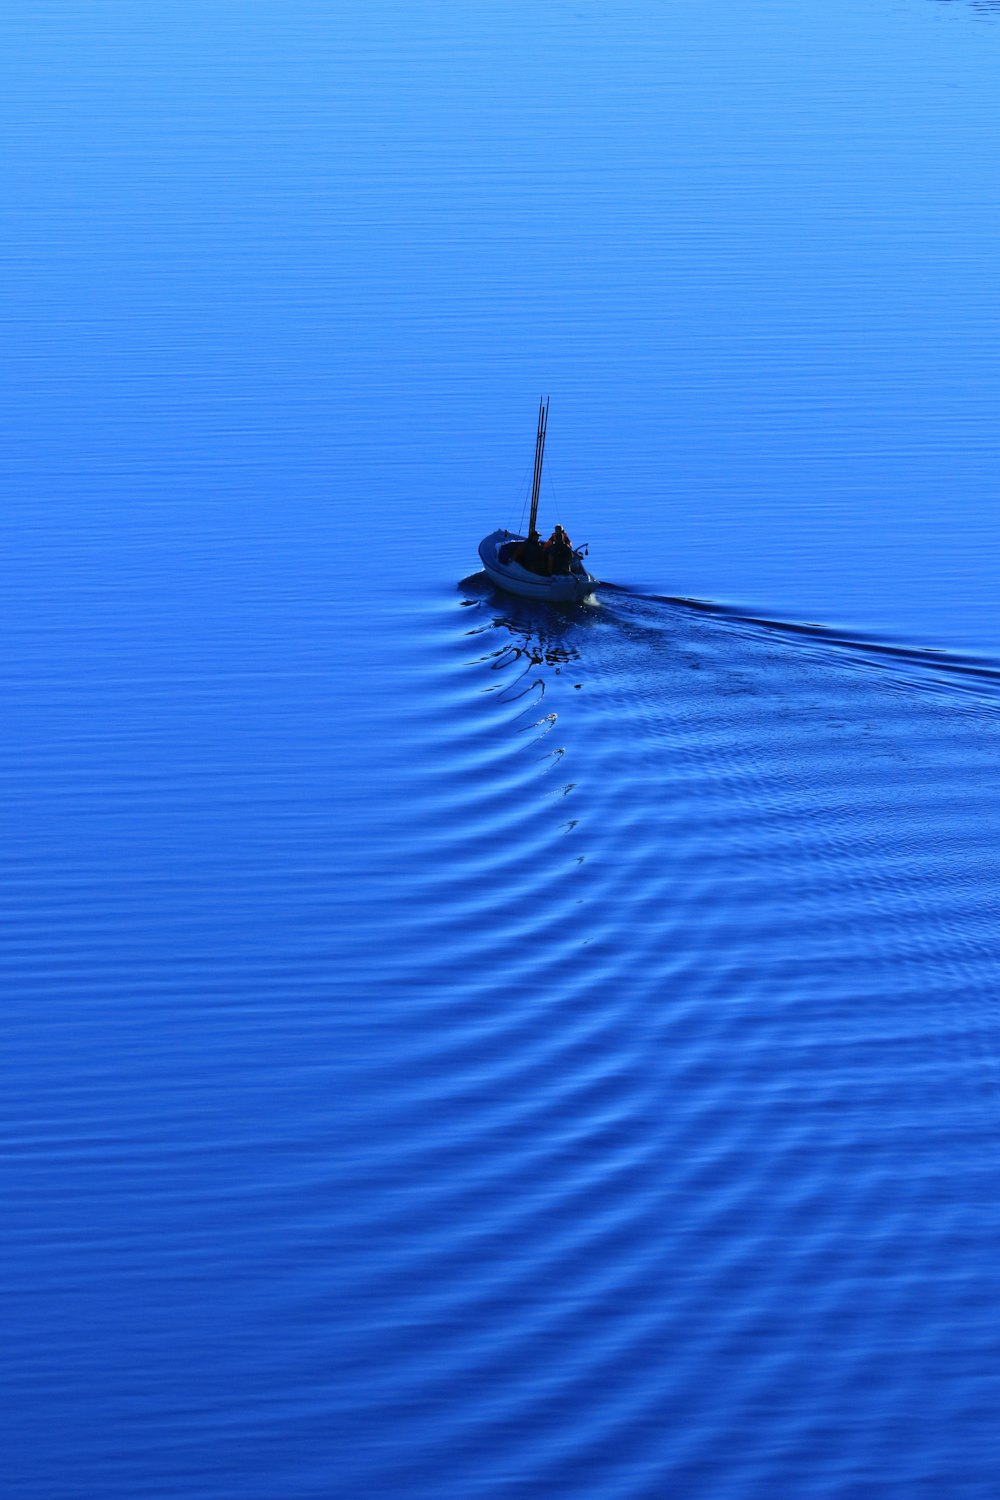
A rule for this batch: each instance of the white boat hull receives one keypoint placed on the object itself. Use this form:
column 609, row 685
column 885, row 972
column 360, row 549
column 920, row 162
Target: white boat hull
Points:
column 562, row 588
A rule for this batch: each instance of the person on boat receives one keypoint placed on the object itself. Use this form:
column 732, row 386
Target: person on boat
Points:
column 531, row 554
column 559, row 552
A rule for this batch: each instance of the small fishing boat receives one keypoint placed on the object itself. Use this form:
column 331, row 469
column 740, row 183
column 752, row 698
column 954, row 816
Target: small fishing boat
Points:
column 498, row 551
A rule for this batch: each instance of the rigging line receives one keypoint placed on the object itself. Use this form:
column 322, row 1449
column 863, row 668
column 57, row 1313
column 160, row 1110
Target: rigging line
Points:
column 522, row 490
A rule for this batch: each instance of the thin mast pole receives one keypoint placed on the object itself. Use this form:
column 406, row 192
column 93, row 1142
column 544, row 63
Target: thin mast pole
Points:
column 536, row 483
column 541, row 455
column 534, row 476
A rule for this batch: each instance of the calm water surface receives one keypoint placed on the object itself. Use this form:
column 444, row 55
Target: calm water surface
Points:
column 455, row 1048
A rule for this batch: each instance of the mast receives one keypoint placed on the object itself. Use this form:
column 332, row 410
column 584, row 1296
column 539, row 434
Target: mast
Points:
column 536, row 483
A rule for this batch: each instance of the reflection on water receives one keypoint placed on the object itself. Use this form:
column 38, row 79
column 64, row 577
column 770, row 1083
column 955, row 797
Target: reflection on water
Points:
column 539, row 634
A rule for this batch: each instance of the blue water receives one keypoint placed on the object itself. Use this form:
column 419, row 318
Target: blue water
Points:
column 457, row 1048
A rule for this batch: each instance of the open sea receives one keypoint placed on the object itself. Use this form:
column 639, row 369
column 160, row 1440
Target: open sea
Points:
column 454, row 1048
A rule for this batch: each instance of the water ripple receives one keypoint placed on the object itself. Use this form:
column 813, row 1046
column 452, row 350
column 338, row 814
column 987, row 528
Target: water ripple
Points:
column 698, row 1143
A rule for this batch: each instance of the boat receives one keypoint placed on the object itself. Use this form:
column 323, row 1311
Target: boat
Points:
column 497, row 551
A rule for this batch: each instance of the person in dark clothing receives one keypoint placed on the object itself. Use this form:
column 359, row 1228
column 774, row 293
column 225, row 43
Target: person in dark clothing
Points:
column 531, row 554
column 559, row 552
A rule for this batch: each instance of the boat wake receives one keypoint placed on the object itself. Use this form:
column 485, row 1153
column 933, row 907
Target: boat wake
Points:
column 905, row 663
column 687, row 1046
